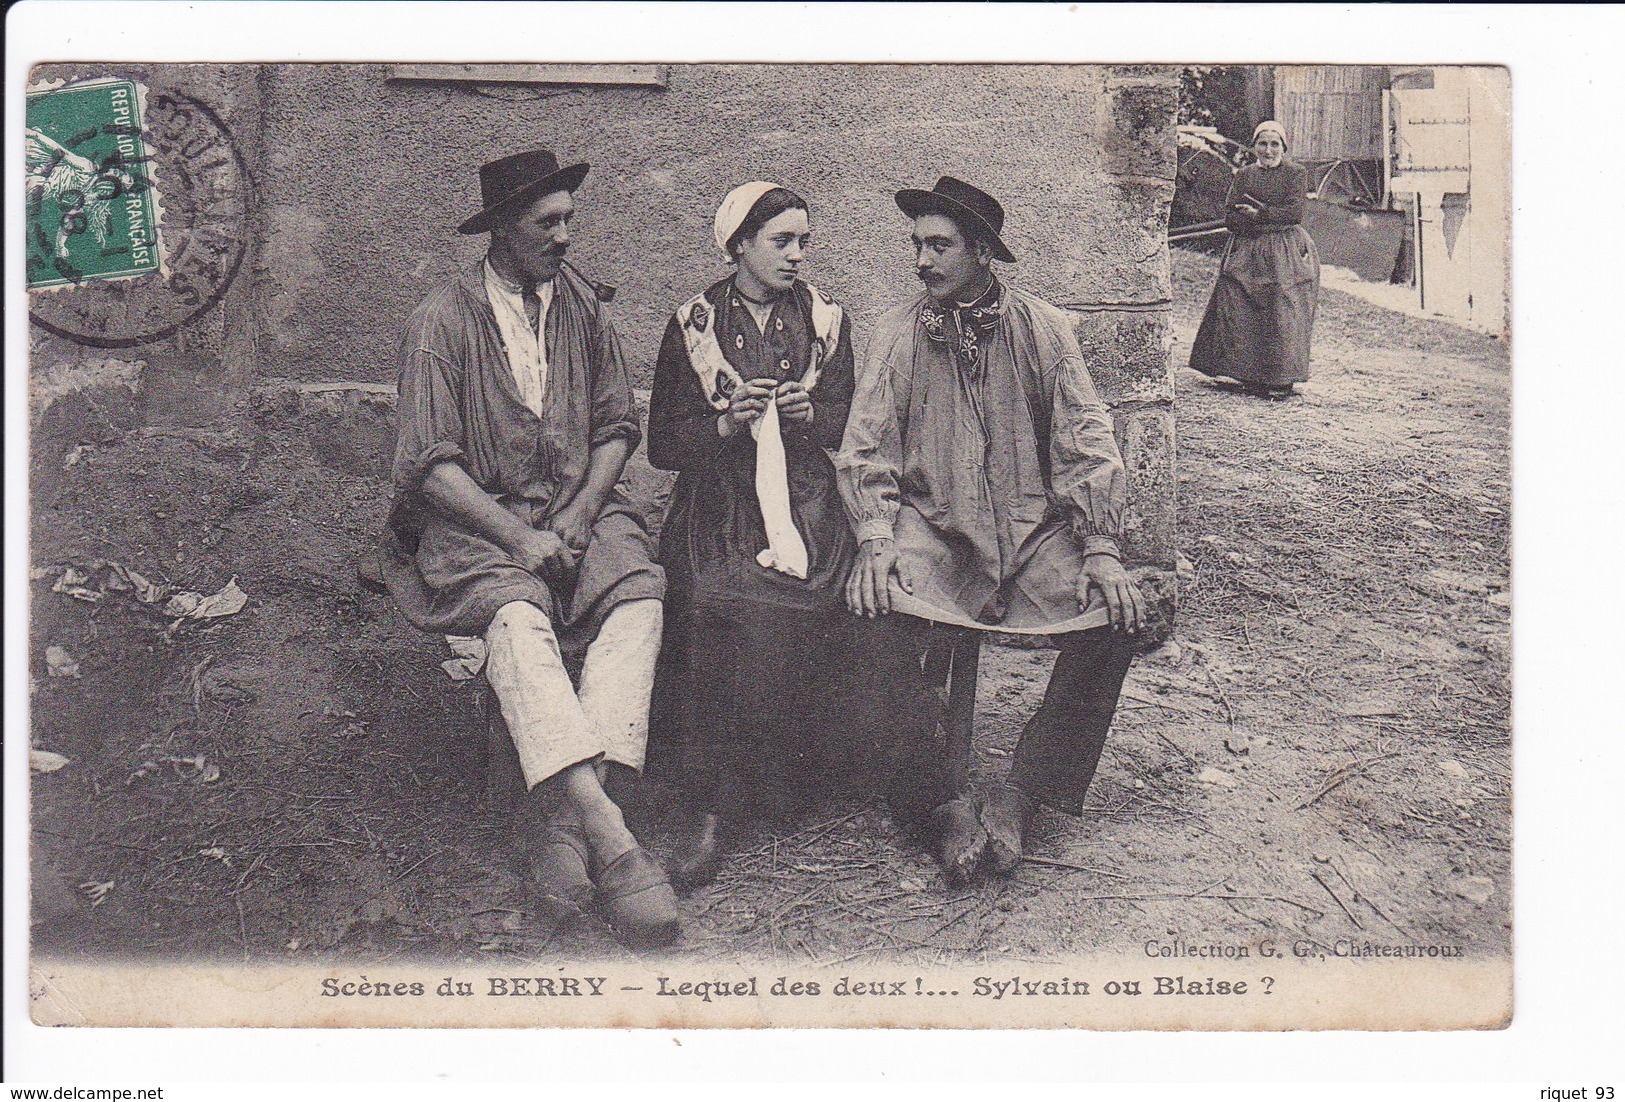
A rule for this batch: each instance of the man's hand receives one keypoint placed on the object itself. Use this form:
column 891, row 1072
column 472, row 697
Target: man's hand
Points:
column 794, row 402
column 1124, row 604
column 749, row 401
column 573, row 524
column 544, row 554
column 866, row 593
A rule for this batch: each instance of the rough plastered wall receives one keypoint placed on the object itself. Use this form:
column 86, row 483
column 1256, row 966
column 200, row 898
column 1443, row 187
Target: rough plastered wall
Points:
column 354, row 184
column 366, row 179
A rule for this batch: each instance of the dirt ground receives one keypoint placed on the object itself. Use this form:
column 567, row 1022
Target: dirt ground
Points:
column 1322, row 751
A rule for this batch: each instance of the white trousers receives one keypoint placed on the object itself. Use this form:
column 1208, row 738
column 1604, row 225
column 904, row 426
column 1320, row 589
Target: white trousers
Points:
column 554, row 726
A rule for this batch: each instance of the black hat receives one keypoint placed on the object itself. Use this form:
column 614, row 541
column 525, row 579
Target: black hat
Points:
column 521, row 178
column 961, row 200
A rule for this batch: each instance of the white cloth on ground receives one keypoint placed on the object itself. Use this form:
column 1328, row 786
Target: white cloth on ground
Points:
column 555, row 725
column 468, row 657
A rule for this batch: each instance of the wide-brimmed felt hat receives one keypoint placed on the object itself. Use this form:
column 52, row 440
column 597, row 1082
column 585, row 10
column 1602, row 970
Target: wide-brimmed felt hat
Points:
column 520, row 179
column 957, row 198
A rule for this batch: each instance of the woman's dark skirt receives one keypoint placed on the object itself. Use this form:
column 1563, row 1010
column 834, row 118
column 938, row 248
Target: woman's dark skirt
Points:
column 756, row 694
column 1258, row 322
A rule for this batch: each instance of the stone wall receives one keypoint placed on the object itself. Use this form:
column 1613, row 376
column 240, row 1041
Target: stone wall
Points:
column 358, row 182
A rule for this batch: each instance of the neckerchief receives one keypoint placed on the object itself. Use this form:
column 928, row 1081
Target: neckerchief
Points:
column 967, row 326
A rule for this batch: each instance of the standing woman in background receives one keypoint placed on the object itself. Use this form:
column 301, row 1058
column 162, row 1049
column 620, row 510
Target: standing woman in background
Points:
column 751, row 393
column 1256, row 329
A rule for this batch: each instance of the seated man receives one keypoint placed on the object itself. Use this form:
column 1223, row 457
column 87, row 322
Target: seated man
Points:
column 516, row 419
column 981, row 474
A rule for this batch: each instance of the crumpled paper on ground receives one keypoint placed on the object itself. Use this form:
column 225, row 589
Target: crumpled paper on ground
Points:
column 45, row 761
column 59, row 663
column 468, row 659
column 191, row 605
column 94, row 582
column 102, row 577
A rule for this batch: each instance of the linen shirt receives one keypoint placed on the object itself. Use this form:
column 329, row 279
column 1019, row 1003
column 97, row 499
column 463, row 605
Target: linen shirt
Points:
column 526, row 346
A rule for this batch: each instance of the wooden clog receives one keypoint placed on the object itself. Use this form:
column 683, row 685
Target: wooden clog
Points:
column 636, row 899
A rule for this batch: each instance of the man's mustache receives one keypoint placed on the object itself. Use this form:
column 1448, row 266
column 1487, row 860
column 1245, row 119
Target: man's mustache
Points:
column 928, row 277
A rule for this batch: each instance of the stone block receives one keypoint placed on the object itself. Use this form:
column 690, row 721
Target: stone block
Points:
column 96, row 415
column 1138, row 136
column 1128, row 354
column 66, row 371
column 1160, row 588
column 351, row 427
column 1141, row 207
column 1145, row 434
column 74, row 403
column 1142, row 72
column 1123, row 256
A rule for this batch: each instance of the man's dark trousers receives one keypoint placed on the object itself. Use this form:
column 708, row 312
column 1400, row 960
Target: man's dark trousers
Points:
column 1059, row 748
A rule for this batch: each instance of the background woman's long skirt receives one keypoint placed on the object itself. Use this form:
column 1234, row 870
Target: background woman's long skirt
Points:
column 1258, row 322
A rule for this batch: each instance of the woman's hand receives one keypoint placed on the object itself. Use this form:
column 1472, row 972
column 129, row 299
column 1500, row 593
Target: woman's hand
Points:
column 749, row 401
column 794, row 402
column 1249, row 209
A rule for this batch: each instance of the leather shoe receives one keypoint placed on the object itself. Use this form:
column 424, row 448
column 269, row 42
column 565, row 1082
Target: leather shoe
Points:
column 556, row 870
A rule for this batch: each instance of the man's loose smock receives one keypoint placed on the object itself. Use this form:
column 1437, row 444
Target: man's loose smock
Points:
column 459, row 401
column 995, row 482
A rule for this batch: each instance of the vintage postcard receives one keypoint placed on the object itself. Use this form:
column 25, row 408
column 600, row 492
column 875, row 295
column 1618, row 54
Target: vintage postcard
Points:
column 772, row 545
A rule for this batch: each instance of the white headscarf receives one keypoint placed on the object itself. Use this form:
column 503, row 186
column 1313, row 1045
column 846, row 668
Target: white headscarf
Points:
column 1270, row 126
column 736, row 205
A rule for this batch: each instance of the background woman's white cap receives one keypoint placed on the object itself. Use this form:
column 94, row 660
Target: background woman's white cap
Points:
column 1270, row 126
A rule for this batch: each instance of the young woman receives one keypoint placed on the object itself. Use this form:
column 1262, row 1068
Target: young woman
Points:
column 750, row 395
column 1256, row 329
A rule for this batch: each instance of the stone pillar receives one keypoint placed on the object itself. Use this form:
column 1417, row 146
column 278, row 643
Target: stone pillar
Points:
column 1127, row 334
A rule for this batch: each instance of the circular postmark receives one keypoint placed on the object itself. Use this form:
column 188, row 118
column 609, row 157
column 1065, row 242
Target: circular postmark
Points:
column 197, row 188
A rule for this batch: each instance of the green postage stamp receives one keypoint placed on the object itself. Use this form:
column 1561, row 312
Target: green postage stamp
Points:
column 93, row 211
